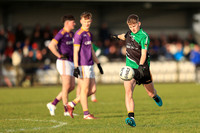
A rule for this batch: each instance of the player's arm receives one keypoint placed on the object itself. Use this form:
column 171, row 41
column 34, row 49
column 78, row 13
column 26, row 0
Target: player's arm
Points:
column 77, row 44
column 143, row 56
column 144, row 48
column 96, row 60
column 76, row 51
column 120, row 37
column 53, row 47
column 94, row 57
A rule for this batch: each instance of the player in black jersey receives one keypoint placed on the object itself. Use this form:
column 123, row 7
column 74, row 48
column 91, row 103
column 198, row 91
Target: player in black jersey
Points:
column 137, row 57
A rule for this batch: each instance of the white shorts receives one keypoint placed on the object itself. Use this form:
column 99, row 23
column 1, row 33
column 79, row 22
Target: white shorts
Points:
column 65, row 67
column 86, row 71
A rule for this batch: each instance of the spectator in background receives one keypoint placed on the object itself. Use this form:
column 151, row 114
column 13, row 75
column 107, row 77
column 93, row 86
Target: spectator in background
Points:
column 104, row 32
column 37, row 39
column 10, row 35
column 3, row 40
column 178, row 56
column 9, row 51
column 186, row 49
column 195, row 59
column 195, row 55
column 19, row 34
column 37, row 29
column 191, row 39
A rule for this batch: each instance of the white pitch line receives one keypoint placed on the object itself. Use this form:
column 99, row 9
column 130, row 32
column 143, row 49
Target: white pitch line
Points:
column 60, row 124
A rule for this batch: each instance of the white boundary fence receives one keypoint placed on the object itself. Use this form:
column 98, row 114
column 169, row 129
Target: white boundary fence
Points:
column 162, row 72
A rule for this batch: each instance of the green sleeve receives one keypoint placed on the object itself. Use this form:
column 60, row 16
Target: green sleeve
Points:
column 145, row 43
column 95, row 47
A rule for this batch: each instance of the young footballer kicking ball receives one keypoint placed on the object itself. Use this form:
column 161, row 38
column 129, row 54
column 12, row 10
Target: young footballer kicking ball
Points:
column 62, row 47
column 137, row 57
column 84, row 56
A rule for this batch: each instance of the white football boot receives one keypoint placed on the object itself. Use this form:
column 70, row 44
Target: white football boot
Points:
column 51, row 108
column 67, row 114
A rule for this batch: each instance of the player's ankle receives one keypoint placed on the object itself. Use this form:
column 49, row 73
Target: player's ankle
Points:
column 86, row 112
column 156, row 98
column 71, row 104
column 131, row 114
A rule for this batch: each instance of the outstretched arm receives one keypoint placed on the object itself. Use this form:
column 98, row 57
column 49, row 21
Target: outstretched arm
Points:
column 122, row 36
column 119, row 37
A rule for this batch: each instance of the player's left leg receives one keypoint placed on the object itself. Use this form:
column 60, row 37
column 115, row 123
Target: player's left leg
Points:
column 153, row 93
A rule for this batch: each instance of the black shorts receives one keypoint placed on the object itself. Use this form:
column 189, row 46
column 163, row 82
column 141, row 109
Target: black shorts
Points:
column 146, row 79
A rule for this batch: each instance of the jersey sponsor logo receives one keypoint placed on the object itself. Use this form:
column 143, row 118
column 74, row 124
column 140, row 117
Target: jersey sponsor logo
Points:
column 69, row 42
column 128, row 45
column 84, row 35
column 67, row 35
column 88, row 43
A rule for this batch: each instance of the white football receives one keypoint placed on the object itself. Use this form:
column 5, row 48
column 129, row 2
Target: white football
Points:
column 126, row 73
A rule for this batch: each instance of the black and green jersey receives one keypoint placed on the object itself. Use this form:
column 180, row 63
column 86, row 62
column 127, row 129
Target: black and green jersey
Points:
column 134, row 44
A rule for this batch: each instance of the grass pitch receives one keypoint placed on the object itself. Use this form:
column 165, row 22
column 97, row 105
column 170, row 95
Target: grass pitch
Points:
column 24, row 110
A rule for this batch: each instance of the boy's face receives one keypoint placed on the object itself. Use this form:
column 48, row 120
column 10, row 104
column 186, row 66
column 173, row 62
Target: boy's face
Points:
column 134, row 27
column 86, row 23
column 70, row 24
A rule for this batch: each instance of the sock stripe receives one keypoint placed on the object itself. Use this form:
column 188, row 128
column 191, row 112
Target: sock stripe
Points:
column 74, row 101
column 130, row 112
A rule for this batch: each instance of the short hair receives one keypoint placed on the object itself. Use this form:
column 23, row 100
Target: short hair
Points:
column 67, row 17
column 86, row 15
column 132, row 19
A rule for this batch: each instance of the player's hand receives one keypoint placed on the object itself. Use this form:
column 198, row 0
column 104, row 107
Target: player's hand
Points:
column 100, row 68
column 115, row 37
column 76, row 72
column 141, row 70
column 137, row 76
column 64, row 57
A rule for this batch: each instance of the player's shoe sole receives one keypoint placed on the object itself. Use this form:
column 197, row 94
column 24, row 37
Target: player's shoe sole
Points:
column 159, row 102
column 89, row 117
column 94, row 100
column 67, row 114
column 51, row 109
column 70, row 110
column 130, row 121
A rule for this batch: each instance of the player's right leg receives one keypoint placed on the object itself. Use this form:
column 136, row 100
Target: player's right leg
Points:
column 129, row 88
column 66, row 86
column 65, row 69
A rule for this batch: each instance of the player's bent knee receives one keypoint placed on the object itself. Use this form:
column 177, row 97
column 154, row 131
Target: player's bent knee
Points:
column 93, row 91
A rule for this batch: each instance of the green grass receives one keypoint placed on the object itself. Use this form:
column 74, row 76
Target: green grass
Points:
column 24, row 110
